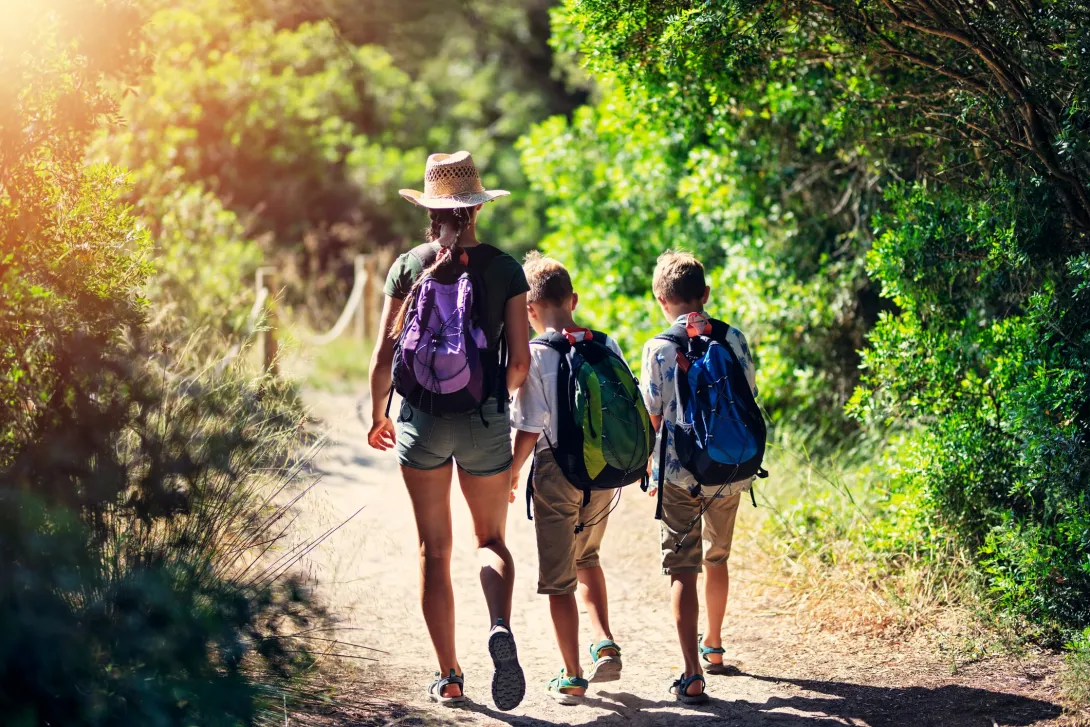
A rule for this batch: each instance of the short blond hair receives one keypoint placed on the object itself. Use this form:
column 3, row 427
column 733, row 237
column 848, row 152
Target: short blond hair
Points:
column 549, row 280
column 678, row 278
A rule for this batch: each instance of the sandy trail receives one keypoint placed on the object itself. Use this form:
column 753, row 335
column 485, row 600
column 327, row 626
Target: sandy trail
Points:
column 787, row 676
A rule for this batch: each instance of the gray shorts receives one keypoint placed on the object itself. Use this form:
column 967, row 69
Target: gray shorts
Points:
column 479, row 448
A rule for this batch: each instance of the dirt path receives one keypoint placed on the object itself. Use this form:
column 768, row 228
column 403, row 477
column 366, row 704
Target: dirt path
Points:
column 786, row 676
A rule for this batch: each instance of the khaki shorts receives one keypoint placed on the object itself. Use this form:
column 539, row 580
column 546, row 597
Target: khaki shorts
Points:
column 558, row 510
column 679, row 508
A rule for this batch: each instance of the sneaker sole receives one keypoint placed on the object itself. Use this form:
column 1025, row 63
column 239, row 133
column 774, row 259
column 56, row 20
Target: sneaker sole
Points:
column 508, row 681
column 606, row 669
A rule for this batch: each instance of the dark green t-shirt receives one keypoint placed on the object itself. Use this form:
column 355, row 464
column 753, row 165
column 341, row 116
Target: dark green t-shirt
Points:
column 502, row 276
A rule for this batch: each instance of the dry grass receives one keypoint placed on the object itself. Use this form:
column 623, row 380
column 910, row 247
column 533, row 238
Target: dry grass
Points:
column 817, row 541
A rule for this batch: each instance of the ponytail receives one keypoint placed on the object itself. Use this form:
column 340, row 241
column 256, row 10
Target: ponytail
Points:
column 446, row 228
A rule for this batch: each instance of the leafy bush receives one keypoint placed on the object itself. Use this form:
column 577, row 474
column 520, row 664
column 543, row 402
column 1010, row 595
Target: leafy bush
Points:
column 624, row 187
column 72, row 253
column 1005, row 459
column 136, row 585
column 139, row 509
column 203, row 263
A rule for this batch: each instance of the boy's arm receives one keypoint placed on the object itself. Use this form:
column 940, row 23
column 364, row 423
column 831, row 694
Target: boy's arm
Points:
column 747, row 362
column 529, row 410
column 651, row 381
column 524, row 447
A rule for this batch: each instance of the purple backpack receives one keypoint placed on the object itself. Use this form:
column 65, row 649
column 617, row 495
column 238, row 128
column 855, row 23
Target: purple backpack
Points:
column 442, row 362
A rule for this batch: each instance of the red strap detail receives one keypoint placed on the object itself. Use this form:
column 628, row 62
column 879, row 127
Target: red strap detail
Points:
column 569, row 333
column 682, row 362
column 696, row 324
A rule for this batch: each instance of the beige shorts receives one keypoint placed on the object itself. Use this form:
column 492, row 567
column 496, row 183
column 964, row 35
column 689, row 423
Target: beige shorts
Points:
column 558, row 511
column 679, row 508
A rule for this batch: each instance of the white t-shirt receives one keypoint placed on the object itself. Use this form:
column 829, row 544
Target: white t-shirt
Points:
column 534, row 408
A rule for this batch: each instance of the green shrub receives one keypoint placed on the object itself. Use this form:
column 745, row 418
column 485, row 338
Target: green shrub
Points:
column 72, row 253
column 991, row 351
column 138, row 508
column 136, row 582
column 623, row 187
column 203, row 264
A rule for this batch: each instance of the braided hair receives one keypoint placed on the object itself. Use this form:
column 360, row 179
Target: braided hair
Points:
column 446, row 227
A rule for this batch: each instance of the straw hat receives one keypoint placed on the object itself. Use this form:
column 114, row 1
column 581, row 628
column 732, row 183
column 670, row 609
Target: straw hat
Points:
column 450, row 181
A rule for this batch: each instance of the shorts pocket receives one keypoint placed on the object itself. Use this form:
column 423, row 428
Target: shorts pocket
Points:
column 488, row 442
column 419, row 440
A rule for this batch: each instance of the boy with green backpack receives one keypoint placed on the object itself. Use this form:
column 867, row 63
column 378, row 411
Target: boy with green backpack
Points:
column 580, row 414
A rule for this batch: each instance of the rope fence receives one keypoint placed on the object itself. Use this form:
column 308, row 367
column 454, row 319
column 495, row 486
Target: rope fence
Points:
column 362, row 309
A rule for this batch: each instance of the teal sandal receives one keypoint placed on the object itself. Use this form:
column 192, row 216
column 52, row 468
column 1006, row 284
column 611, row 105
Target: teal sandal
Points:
column 435, row 689
column 680, row 690
column 604, row 668
column 563, row 681
column 714, row 667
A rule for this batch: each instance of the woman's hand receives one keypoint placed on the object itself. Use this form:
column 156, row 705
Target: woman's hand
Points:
column 382, row 435
column 514, row 484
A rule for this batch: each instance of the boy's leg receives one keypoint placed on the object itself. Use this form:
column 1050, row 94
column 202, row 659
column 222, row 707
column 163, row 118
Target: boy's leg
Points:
column 716, row 591
column 592, row 589
column 719, row 522
column 681, row 556
column 556, row 515
column 592, row 579
column 565, row 614
column 686, row 605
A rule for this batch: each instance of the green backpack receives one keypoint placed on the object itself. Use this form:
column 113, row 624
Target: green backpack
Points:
column 604, row 436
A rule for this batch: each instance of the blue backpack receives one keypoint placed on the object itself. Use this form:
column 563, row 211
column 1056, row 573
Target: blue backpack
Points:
column 719, row 434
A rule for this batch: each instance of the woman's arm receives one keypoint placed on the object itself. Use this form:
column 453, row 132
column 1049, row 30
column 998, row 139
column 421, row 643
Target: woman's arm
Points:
column 382, row 435
column 516, row 326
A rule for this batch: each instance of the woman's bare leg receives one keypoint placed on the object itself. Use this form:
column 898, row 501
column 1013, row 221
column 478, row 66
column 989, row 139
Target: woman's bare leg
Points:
column 429, row 491
column 488, row 499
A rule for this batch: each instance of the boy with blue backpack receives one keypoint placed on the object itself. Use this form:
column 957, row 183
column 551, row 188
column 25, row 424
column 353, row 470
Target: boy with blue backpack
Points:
column 698, row 384
column 580, row 414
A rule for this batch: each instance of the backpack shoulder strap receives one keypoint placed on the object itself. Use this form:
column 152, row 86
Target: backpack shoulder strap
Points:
column 554, row 340
column 598, row 337
column 719, row 330
column 675, row 334
column 426, row 253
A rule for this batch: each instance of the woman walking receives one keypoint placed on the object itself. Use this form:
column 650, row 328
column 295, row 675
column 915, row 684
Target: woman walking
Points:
column 453, row 341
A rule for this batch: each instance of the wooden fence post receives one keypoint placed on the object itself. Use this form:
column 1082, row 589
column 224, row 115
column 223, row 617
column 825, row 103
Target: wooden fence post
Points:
column 362, row 331
column 267, row 343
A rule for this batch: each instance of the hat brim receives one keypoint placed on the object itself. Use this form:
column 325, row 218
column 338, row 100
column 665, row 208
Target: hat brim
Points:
column 453, row 201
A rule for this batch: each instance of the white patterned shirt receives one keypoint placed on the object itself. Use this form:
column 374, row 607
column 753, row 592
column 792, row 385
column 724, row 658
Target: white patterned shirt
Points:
column 660, row 395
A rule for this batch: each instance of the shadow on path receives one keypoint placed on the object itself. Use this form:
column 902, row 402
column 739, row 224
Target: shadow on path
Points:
column 825, row 703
